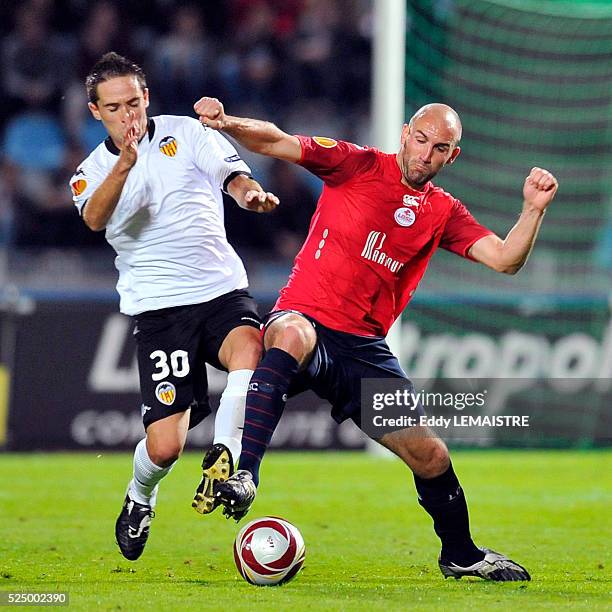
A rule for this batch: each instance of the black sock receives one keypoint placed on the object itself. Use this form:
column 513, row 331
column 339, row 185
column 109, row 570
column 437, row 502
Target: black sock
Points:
column 444, row 500
column 265, row 403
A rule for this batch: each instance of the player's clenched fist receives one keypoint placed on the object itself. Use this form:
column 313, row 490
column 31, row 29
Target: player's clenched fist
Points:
column 539, row 189
column 211, row 112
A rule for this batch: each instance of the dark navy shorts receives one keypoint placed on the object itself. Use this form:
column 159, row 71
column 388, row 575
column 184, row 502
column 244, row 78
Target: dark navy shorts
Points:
column 339, row 362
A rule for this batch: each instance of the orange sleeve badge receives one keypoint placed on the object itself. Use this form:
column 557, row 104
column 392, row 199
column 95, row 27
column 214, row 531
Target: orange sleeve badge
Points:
column 78, row 187
column 328, row 143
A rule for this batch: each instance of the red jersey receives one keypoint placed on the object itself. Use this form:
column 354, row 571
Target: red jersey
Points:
column 370, row 238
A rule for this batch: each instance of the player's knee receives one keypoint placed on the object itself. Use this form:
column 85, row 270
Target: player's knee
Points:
column 166, row 438
column 247, row 354
column 292, row 334
column 241, row 349
column 252, row 347
column 166, row 453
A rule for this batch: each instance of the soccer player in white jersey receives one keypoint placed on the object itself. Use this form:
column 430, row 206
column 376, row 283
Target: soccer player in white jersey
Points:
column 155, row 186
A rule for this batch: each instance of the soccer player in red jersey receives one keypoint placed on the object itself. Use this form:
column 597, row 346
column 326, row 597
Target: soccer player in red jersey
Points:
column 377, row 223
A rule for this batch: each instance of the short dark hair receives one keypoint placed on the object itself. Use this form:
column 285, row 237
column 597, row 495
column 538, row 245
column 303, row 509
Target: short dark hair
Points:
column 109, row 66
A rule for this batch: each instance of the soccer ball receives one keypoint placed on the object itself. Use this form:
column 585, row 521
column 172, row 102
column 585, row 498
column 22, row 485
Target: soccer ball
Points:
column 269, row 551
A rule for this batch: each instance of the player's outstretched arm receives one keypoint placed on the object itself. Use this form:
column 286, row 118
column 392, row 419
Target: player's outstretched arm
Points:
column 250, row 194
column 258, row 136
column 509, row 255
column 101, row 205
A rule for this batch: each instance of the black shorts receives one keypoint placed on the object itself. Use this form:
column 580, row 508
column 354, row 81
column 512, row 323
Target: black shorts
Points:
column 339, row 363
column 174, row 345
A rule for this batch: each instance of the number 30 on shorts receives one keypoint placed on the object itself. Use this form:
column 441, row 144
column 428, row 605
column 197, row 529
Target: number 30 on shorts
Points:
column 179, row 362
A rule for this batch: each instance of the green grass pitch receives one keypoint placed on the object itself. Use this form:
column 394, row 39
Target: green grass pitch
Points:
column 369, row 545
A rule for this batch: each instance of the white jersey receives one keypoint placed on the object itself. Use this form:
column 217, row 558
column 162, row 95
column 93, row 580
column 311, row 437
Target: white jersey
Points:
column 167, row 228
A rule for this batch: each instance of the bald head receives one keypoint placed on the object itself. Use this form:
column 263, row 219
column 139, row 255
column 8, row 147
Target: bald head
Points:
column 442, row 116
column 429, row 142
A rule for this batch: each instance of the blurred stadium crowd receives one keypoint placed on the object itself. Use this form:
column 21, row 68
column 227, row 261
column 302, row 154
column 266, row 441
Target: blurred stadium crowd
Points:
column 304, row 64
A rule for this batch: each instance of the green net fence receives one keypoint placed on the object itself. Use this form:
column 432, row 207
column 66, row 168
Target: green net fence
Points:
column 532, row 82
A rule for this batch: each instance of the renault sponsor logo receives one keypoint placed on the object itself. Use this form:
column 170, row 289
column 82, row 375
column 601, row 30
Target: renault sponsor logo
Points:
column 168, row 146
column 373, row 251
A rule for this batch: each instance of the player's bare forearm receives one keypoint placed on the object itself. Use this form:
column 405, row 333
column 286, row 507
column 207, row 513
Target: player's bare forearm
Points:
column 509, row 255
column 249, row 194
column 102, row 204
column 258, row 136
column 263, row 137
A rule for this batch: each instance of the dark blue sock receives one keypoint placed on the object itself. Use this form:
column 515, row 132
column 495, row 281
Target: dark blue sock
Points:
column 444, row 500
column 265, row 403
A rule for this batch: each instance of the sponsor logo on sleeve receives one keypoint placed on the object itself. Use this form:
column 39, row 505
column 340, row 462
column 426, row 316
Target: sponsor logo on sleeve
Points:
column 165, row 392
column 78, row 186
column 168, row 146
column 327, row 143
column 232, row 158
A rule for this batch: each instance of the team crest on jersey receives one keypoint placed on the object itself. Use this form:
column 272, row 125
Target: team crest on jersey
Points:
column 78, row 187
column 328, row 143
column 168, row 146
column 404, row 216
column 165, row 392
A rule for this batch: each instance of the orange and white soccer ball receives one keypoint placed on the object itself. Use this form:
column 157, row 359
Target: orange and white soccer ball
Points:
column 269, row 551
